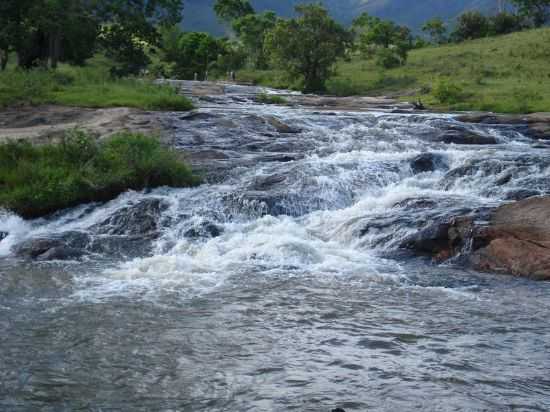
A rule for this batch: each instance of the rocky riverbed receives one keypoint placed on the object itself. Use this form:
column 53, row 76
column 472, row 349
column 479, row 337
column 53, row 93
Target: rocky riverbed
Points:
column 336, row 256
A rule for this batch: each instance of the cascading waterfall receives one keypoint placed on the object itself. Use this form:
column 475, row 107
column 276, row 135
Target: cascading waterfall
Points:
column 295, row 230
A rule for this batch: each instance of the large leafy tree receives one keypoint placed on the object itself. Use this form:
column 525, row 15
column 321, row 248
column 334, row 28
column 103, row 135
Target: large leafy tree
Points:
column 537, row 10
column 50, row 30
column 251, row 31
column 308, row 46
column 436, row 29
column 471, row 25
column 383, row 38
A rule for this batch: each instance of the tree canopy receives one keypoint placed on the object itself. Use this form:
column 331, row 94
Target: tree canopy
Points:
column 308, row 45
column 537, row 10
column 229, row 10
column 48, row 30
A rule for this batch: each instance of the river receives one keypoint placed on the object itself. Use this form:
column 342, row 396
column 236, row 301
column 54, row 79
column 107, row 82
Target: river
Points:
column 279, row 284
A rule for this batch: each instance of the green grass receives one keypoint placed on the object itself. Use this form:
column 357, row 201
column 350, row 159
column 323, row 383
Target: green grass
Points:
column 270, row 99
column 507, row 74
column 39, row 180
column 89, row 86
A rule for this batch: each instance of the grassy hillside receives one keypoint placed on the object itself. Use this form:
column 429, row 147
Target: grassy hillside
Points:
column 89, row 86
column 509, row 74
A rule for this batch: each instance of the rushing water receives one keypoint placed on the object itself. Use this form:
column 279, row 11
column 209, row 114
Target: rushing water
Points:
column 279, row 285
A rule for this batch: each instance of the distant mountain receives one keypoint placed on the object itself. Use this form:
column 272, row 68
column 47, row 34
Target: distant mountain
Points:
column 199, row 15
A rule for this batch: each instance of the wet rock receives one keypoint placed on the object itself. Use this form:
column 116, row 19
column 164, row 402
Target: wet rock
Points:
column 280, row 126
column 140, row 219
column 3, row 235
column 464, row 137
column 514, row 240
column 416, row 204
column 198, row 116
column 537, row 124
column 204, row 230
column 428, row 162
column 61, row 253
column 267, row 182
column 521, row 194
column 429, row 241
column 489, row 118
column 68, row 245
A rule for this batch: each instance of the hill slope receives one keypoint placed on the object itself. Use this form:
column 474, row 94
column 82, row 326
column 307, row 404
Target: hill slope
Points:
column 200, row 17
column 502, row 74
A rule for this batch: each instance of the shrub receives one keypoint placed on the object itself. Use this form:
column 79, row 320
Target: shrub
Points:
column 38, row 180
column 387, row 58
column 270, row 99
column 447, row 92
column 505, row 23
column 471, row 25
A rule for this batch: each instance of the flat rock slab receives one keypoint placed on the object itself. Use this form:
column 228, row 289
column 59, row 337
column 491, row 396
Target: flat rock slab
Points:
column 42, row 124
column 538, row 124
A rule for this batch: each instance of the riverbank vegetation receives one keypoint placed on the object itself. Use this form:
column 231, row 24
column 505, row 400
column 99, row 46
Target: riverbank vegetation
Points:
column 38, row 180
column 49, row 49
column 507, row 74
column 88, row 86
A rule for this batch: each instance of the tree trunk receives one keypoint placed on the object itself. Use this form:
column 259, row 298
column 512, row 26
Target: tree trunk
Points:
column 54, row 49
column 4, row 57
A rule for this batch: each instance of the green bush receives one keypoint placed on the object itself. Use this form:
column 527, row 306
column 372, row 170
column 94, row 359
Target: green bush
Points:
column 447, row 92
column 39, row 180
column 387, row 58
column 270, row 99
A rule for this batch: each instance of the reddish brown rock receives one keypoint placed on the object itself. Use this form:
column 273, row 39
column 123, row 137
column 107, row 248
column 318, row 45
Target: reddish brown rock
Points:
column 515, row 240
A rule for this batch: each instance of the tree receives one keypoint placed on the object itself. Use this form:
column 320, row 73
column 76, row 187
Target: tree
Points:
column 190, row 52
column 376, row 34
column 504, row 23
column 251, row 31
column 536, row 10
column 230, row 10
column 53, row 30
column 308, row 45
column 471, row 25
column 436, row 29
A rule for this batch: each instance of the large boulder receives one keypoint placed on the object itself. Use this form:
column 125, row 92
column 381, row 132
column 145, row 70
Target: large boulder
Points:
column 512, row 239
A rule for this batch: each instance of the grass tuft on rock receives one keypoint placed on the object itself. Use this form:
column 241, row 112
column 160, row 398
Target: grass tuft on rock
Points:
column 270, row 99
column 38, row 180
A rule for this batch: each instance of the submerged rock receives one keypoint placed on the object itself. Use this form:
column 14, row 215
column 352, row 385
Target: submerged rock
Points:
column 68, row 245
column 465, row 137
column 204, row 230
column 280, row 126
column 514, row 239
column 428, row 162
column 521, row 194
column 3, row 235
